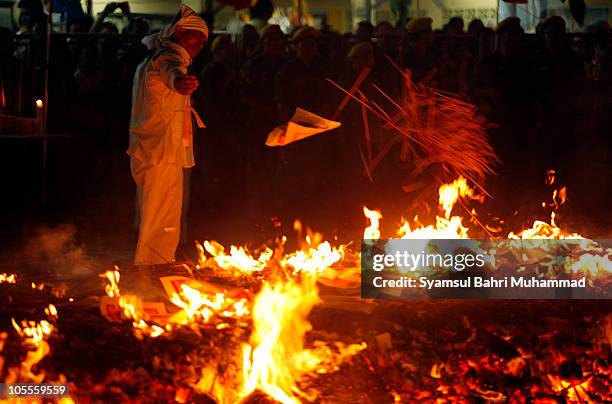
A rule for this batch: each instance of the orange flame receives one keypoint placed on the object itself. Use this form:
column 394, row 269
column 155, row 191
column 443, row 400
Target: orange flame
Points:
column 198, row 306
column 372, row 232
column 8, row 278
column 33, row 334
column 279, row 321
column 449, row 227
column 314, row 260
column 131, row 307
column 238, row 258
column 450, row 194
column 275, row 358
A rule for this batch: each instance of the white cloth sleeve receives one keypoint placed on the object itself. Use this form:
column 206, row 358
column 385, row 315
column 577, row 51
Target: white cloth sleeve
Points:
column 171, row 66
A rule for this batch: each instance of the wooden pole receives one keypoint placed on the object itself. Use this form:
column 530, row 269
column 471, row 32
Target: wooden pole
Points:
column 46, row 102
column 14, row 25
column 497, row 14
column 300, row 12
column 20, row 92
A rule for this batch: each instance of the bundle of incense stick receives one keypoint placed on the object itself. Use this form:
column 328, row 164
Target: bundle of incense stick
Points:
column 432, row 127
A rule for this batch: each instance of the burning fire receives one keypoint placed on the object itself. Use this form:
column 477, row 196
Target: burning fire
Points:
column 575, row 392
column 446, row 227
column 372, row 232
column 130, row 306
column 275, row 358
column 451, row 227
column 34, row 335
column 316, row 259
column 272, row 356
column 450, row 194
column 201, row 307
column 238, row 258
column 8, row 278
column 541, row 229
column 279, row 318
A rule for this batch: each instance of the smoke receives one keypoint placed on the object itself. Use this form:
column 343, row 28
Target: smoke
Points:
column 56, row 249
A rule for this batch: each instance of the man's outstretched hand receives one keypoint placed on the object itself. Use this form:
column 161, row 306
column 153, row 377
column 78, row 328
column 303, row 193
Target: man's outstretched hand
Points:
column 186, row 84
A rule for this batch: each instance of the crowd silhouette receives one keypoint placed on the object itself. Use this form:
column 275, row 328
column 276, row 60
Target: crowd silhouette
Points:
column 547, row 96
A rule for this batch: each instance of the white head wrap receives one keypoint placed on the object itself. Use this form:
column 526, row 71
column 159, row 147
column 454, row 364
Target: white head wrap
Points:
column 186, row 18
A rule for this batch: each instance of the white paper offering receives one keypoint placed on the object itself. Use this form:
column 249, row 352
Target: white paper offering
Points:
column 302, row 125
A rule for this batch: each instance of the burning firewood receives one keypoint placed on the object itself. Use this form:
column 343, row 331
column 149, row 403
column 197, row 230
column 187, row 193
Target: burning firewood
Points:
column 433, row 127
column 256, row 325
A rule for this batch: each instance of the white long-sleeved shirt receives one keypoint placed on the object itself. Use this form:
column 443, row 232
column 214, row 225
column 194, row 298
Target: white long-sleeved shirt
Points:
column 160, row 125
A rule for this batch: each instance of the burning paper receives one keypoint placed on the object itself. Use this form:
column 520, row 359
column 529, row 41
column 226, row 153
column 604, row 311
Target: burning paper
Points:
column 302, row 125
column 197, row 300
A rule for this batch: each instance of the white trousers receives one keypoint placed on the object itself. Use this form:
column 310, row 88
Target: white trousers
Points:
column 160, row 199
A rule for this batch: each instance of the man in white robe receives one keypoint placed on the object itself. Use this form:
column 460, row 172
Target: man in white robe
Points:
column 161, row 133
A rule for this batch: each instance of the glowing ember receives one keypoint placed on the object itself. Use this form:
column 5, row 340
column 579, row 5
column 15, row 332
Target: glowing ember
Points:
column 323, row 359
column 576, row 392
